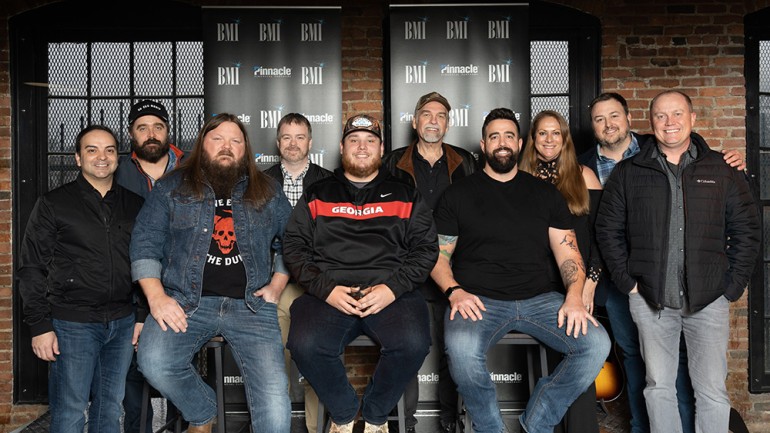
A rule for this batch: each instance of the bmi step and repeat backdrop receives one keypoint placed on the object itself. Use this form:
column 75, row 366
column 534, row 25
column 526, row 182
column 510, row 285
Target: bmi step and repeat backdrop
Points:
column 477, row 56
column 263, row 63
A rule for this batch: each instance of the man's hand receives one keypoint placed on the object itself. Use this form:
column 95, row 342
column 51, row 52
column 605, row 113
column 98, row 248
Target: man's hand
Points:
column 270, row 292
column 635, row 289
column 167, row 312
column 340, row 299
column 376, row 298
column 576, row 316
column 469, row 306
column 734, row 159
column 138, row 326
column 589, row 290
column 46, row 346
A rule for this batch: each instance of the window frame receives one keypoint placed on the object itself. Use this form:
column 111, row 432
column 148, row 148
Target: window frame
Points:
column 30, row 33
column 756, row 30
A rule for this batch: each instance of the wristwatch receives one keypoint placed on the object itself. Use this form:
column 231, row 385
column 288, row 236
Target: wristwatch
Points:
column 448, row 292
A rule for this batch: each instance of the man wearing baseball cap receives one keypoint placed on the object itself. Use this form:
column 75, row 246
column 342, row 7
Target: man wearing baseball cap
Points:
column 360, row 243
column 152, row 155
column 431, row 165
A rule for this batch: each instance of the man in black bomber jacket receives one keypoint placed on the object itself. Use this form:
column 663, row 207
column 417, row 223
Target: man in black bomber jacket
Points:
column 74, row 278
column 679, row 231
column 360, row 243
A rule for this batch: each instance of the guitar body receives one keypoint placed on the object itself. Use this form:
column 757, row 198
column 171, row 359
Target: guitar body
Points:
column 609, row 382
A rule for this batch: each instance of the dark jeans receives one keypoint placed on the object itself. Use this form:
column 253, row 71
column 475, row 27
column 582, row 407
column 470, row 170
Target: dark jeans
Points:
column 447, row 390
column 318, row 336
column 92, row 366
column 627, row 336
column 132, row 402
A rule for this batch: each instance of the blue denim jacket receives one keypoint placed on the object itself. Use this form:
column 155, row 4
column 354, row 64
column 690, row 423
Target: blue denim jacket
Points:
column 172, row 235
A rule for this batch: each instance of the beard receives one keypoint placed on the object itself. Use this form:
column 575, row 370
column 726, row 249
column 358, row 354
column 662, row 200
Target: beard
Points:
column 614, row 144
column 293, row 154
column 501, row 164
column 349, row 164
column 148, row 153
column 223, row 178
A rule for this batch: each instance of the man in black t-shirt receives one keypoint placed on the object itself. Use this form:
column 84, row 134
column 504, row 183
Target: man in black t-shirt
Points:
column 498, row 231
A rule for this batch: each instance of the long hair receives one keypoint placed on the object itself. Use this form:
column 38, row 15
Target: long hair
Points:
column 569, row 181
column 259, row 189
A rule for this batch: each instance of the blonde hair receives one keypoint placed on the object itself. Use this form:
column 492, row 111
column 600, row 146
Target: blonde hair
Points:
column 569, row 181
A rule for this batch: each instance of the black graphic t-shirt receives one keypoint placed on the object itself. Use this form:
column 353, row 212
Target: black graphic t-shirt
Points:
column 224, row 273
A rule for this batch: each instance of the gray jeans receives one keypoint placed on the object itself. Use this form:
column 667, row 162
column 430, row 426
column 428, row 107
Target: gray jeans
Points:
column 706, row 333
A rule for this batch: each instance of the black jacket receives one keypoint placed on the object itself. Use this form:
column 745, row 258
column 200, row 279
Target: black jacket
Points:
column 338, row 234
column 721, row 227
column 399, row 163
column 74, row 261
column 314, row 173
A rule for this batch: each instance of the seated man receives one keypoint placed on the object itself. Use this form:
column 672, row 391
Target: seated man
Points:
column 499, row 229
column 360, row 243
column 201, row 251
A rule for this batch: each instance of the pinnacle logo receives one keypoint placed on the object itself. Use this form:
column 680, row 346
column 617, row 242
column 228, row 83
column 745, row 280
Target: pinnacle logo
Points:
column 270, row 32
column 458, row 117
column 268, row 119
column 415, row 74
column 264, row 158
column 405, row 117
column 311, row 32
column 470, row 69
column 512, row 377
column 228, row 76
column 457, row 29
column 227, row 32
column 316, row 119
column 500, row 73
column 268, row 72
column 498, row 29
column 414, row 30
column 312, row 76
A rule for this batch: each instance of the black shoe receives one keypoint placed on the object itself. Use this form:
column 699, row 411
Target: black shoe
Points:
column 411, row 430
column 448, row 428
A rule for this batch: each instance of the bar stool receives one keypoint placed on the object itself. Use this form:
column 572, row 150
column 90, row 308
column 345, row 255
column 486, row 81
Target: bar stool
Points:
column 324, row 419
column 513, row 338
column 217, row 345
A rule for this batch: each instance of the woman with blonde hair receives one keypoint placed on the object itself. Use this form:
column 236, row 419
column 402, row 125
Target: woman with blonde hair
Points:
column 550, row 155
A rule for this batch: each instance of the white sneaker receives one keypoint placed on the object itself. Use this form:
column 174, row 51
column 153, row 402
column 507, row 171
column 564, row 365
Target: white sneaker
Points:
column 371, row 428
column 344, row 428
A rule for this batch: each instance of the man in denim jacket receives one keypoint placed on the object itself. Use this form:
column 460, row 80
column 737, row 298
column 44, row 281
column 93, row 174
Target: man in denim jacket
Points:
column 202, row 252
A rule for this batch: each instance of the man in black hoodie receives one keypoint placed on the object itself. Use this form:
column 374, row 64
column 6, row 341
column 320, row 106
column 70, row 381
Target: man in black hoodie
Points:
column 360, row 243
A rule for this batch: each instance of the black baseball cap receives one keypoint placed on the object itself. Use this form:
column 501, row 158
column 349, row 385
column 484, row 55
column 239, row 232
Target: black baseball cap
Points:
column 147, row 107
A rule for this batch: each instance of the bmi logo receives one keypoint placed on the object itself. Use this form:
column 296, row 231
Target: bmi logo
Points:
column 498, row 29
column 458, row 117
column 270, row 32
column 457, row 29
column 227, row 32
column 269, row 118
column 416, row 74
column 312, row 75
column 228, row 76
column 311, row 32
column 500, row 73
column 414, row 29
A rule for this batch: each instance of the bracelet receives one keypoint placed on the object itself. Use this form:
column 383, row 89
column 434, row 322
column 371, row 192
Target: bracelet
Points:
column 594, row 273
column 451, row 290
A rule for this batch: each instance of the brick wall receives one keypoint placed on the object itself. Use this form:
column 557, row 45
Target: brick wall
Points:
column 646, row 46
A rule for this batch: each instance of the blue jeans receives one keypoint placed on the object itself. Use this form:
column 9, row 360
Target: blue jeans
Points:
column 320, row 332
column 255, row 341
column 706, row 333
column 93, row 362
column 627, row 336
column 468, row 342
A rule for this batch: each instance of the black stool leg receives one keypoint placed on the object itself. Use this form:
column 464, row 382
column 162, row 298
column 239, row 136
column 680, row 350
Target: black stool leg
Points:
column 145, row 400
column 219, row 359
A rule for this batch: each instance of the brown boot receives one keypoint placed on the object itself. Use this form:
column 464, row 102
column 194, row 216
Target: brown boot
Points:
column 205, row 428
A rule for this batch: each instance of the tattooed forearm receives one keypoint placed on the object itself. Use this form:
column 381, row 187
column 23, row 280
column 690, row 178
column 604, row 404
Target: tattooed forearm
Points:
column 446, row 245
column 571, row 271
column 570, row 241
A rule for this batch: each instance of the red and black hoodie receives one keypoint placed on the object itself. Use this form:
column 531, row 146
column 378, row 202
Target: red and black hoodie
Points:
column 340, row 234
